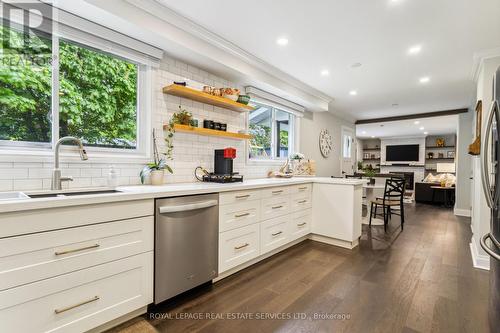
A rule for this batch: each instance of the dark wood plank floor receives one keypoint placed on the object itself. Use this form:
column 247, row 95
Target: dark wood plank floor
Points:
column 418, row 280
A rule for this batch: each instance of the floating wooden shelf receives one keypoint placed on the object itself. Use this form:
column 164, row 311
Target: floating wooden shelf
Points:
column 209, row 132
column 371, row 149
column 202, row 97
column 440, row 158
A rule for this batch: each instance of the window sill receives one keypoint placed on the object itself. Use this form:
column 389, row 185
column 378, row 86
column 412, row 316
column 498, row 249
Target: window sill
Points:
column 266, row 162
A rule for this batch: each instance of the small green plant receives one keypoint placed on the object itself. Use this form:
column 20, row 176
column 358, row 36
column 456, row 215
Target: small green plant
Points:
column 369, row 172
column 182, row 117
column 157, row 164
column 360, row 165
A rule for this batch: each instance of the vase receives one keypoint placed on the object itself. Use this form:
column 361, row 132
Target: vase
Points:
column 156, row 177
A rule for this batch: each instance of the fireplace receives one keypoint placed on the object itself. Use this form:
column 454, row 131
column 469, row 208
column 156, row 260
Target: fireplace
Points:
column 408, row 176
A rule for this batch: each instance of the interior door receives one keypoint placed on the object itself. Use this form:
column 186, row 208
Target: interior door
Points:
column 347, row 157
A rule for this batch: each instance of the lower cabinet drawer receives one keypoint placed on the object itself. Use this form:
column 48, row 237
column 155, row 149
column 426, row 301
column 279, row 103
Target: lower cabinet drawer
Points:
column 274, row 207
column 30, row 258
column 238, row 246
column 301, row 201
column 238, row 215
column 274, row 233
column 300, row 224
column 79, row 301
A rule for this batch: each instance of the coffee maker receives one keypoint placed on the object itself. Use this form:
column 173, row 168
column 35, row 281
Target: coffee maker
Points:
column 223, row 167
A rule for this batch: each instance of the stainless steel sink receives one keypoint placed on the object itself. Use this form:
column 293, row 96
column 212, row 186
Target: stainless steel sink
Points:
column 71, row 194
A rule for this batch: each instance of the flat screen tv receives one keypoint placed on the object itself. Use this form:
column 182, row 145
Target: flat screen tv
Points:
column 402, row 153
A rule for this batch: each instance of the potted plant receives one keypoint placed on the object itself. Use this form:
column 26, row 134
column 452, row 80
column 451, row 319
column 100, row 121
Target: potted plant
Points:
column 156, row 169
column 370, row 174
column 360, row 166
column 182, row 117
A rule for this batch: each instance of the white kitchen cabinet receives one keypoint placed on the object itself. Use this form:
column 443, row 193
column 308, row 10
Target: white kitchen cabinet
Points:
column 226, row 198
column 302, row 188
column 274, row 233
column 301, row 201
column 238, row 246
column 277, row 191
column 40, row 220
column 34, row 257
column 81, row 300
column 300, row 224
column 239, row 214
column 275, row 206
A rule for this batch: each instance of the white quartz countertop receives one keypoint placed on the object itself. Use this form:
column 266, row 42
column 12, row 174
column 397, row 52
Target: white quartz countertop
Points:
column 168, row 190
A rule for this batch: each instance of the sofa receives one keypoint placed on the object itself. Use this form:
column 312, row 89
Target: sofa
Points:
column 424, row 193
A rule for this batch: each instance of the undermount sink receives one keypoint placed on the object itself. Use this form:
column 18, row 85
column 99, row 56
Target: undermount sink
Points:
column 71, row 194
column 12, row 196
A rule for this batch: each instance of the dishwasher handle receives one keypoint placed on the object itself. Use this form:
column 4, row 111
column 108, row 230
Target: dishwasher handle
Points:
column 188, row 207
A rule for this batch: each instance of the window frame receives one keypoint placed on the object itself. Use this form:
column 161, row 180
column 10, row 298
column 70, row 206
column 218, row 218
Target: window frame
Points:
column 43, row 151
column 294, row 128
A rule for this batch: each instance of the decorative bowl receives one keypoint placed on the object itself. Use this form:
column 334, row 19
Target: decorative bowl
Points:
column 231, row 97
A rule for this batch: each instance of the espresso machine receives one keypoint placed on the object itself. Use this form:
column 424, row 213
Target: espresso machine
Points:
column 223, row 168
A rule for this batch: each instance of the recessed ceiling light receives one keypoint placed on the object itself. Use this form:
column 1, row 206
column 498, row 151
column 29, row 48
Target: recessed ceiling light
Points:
column 421, row 128
column 364, row 132
column 426, row 133
column 282, row 41
column 416, row 122
column 356, row 65
column 325, row 72
column 353, row 92
column 415, row 49
column 424, row 79
column 373, row 136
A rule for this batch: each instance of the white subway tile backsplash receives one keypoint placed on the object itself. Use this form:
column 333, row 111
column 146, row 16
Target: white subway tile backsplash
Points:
column 13, row 173
column 27, row 184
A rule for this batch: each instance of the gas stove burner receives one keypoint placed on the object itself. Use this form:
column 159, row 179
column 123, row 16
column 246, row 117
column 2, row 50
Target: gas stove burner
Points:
column 227, row 178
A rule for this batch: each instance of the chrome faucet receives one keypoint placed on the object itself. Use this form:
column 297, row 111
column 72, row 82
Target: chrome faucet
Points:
column 56, row 173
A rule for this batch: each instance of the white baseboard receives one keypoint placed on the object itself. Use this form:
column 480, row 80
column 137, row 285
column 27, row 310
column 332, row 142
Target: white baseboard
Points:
column 480, row 261
column 462, row 212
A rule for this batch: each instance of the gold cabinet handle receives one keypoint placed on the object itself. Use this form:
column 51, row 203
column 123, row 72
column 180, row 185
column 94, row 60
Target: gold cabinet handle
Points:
column 93, row 299
column 278, row 233
column 279, row 191
column 301, row 224
column 242, row 196
column 302, row 201
column 241, row 246
column 303, row 188
column 276, row 207
column 58, row 253
column 242, row 215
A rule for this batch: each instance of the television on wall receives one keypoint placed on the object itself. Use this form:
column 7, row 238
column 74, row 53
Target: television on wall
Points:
column 402, row 153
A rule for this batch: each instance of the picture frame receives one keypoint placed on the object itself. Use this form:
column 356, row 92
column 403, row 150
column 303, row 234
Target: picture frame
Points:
column 475, row 147
column 450, row 154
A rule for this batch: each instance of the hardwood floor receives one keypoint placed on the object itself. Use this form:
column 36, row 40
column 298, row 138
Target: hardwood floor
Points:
column 418, row 280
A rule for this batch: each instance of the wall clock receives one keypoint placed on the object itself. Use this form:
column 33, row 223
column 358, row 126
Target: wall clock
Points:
column 325, row 142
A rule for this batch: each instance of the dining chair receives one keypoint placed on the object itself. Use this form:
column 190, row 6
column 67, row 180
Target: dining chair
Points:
column 393, row 197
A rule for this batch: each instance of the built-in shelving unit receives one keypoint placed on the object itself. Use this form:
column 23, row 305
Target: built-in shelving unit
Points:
column 209, row 132
column 430, row 147
column 202, row 97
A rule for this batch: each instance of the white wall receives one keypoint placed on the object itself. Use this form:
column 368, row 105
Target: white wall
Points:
column 311, row 125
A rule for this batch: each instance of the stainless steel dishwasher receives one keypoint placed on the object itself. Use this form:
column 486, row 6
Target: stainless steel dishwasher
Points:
column 186, row 243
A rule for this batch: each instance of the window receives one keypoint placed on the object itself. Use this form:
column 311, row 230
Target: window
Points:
column 347, row 146
column 95, row 96
column 272, row 131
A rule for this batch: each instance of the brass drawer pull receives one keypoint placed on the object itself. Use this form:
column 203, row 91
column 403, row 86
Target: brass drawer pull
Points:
column 276, row 207
column 303, row 188
column 93, row 299
column 277, row 192
column 242, row 196
column 301, row 224
column 241, row 246
column 58, row 253
column 302, row 201
column 278, row 233
column 242, row 215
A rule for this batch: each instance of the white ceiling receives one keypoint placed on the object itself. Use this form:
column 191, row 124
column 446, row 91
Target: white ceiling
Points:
column 333, row 35
column 408, row 128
